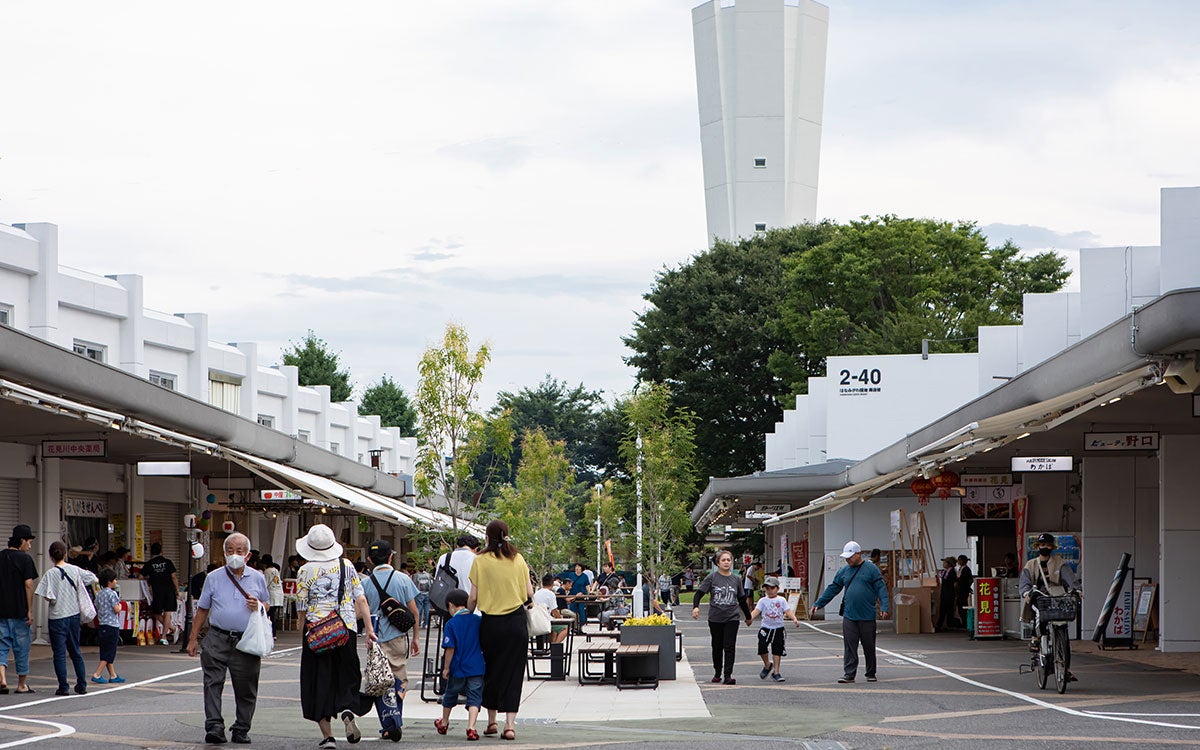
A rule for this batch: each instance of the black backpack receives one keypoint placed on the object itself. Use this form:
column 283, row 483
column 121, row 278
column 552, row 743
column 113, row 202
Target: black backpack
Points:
column 445, row 580
column 396, row 613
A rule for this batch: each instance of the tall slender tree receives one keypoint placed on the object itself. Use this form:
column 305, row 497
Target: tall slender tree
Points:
column 535, row 506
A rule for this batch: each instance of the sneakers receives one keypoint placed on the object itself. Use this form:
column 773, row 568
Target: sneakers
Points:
column 240, row 738
column 763, row 674
column 328, row 743
column 1033, row 646
column 214, row 738
column 778, row 677
column 62, row 691
column 846, row 681
column 872, row 678
column 716, row 678
column 81, row 689
column 729, row 681
column 352, row 733
column 118, row 679
column 163, row 642
column 395, row 734
column 100, row 680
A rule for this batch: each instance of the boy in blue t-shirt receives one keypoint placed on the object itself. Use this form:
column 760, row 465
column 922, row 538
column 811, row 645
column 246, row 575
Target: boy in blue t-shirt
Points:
column 462, row 665
column 108, row 610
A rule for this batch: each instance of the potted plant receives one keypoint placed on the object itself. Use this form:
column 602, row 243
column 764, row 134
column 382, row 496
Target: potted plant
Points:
column 655, row 630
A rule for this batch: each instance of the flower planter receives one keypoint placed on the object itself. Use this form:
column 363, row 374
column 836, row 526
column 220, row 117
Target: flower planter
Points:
column 662, row 636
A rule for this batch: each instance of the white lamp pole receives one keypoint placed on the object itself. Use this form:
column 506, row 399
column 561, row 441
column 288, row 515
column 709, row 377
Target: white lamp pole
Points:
column 638, row 608
column 599, row 487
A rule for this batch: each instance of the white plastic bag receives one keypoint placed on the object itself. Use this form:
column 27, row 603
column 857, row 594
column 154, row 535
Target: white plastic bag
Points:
column 257, row 639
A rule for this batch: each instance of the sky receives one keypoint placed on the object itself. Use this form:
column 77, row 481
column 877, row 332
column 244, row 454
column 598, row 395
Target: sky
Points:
column 373, row 170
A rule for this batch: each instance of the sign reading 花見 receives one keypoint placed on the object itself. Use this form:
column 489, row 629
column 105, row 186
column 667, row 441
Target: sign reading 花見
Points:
column 82, row 507
column 1120, row 441
column 985, row 480
column 1042, row 463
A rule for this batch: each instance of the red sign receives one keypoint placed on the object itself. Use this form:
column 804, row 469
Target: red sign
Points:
column 800, row 560
column 987, row 608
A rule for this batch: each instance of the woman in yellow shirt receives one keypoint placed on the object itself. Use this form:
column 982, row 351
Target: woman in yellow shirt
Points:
column 500, row 590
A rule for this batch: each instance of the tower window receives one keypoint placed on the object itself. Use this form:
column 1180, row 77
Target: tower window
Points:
column 760, row 162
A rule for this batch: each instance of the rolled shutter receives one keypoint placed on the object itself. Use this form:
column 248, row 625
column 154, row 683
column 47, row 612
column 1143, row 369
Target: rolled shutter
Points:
column 8, row 507
column 167, row 517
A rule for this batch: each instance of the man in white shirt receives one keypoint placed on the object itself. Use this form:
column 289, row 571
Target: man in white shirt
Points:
column 461, row 559
column 545, row 596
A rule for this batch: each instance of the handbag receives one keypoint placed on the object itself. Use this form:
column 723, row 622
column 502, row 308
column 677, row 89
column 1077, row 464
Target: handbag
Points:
column 330, row 632
column 538, row 618
column 445, row 580
column 87, row 608
column 396, row 613
column 377, row 676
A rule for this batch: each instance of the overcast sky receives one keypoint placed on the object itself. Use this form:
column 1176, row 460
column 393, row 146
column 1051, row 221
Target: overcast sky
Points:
column 371, row 170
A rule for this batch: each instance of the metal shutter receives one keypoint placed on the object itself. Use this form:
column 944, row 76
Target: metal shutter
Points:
column 167, row 517
column 8, row 507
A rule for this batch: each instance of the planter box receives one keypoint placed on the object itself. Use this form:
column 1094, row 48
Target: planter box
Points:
column 662, row 636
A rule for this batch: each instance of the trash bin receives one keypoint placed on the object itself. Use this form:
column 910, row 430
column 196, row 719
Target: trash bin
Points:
column 558, row 661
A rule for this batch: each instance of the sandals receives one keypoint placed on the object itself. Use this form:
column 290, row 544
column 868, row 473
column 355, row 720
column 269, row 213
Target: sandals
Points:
column 472, row 735
column 441, row 726
column 3, row 689
column 508, row 735
column 491, row 729
column 24, row 692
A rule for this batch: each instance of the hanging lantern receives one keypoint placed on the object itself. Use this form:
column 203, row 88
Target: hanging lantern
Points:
column 945, row 481
column 922, row 488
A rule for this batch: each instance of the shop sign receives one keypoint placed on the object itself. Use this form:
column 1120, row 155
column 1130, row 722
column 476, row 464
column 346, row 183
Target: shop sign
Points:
column 753, row 515
column 781, row 508
column 985, row 480
column 1042, row 463
column 74, row 448
column 987, row 608
column 81, row 507
column 281, row 495
column 1120, row 441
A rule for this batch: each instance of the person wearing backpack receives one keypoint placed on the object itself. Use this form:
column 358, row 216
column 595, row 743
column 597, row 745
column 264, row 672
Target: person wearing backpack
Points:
column 424, row 582
column 386, row 589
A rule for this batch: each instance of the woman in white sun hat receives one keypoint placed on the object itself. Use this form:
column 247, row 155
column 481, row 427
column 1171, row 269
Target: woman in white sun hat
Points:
column 329, row 680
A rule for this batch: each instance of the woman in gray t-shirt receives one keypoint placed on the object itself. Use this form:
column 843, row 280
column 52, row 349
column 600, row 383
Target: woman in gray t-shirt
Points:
column 726, row 597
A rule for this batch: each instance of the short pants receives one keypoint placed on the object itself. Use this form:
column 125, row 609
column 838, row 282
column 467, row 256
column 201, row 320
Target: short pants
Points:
column 110, row 635
column 471, row 687
column 773, row 638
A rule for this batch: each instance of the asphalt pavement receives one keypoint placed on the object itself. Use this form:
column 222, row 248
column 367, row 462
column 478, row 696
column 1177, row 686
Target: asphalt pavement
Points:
column 939, row 690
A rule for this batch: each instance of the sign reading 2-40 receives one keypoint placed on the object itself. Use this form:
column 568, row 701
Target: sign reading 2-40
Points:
column 860, row 382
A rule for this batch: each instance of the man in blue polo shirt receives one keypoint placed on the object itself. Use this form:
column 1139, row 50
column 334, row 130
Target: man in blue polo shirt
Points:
column 226, row 601
column 397, row 646
column 863, row 584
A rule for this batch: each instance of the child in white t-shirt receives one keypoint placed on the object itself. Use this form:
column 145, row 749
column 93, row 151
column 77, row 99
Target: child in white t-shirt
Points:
column 774, row 609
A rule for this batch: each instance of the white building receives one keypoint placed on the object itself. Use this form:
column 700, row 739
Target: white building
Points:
column 760, row 82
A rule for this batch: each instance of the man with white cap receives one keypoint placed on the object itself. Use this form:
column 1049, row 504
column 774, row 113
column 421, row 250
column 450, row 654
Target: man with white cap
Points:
column 863, row 585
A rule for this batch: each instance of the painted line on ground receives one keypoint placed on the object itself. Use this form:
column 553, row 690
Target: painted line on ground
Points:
column 63, row 729
column 1016, row 695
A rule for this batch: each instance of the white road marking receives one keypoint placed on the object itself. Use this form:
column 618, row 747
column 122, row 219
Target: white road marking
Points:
column 64, row 730
column 1019, row 696
column 1120, row 713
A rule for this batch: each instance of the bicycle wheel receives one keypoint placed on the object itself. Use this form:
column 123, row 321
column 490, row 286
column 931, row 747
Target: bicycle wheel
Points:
column 1039, row 670
column 1062, row 657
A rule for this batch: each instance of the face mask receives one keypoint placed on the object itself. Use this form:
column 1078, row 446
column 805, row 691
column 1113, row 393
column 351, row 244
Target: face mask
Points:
column 235, row 562
column 1044, row 552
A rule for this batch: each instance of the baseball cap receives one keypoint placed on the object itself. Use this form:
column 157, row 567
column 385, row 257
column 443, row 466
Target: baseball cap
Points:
column 379, row 550
column 850, row 550
column 22, row 531
column 771, row 581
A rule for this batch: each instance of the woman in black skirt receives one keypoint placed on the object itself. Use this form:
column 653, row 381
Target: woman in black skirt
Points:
column 501, row 589
column 329, row 681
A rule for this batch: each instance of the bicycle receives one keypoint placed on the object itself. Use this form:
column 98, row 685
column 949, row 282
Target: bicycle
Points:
column 1054, row 644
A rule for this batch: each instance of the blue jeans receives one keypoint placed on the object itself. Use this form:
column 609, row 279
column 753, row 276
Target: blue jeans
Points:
column 469, row 687
column 580, row 609
column 423, row 608
column 64, row 639
column 15, row 637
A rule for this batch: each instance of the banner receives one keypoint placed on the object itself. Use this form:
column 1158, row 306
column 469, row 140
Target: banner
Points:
column 1020, row 508
column 800, row 559
column 608, row 548
column 987, row 608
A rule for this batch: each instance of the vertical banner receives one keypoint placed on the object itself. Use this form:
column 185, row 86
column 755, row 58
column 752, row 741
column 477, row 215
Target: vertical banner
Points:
column 800, row 560
column 783, row 554
column 608, row 548
column 987, row 608
column 139, row 537
column 1020, row 508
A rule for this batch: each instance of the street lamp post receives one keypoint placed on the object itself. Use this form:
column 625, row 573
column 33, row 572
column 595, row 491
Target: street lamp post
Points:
column 599, row 487
column 638, row 608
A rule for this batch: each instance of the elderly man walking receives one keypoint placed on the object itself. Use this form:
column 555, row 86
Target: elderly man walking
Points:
column 863, row 584
column 228, row 598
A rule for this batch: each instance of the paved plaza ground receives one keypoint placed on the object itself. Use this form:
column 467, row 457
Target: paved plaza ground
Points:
column 938, row 691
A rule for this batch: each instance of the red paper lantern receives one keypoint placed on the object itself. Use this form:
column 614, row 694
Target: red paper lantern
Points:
column 922, row 488
column 945, row 481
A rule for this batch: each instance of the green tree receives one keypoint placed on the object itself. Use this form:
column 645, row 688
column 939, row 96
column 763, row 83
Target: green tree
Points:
column 881, row 285
column 452, row 434
column 388, row 400
column 319, row 366
column 560, row 411
column 706, row 336
column 659, row 449
column 608, row 508
column 534, row 507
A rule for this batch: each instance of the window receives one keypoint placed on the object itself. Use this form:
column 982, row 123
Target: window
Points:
column 304, row 436
column 761, row 227
column 225, row 391
column 760, row 163
column 266, row 420
column 91, row 351
column 6, row 316
column 163, row 379
column 335, row 447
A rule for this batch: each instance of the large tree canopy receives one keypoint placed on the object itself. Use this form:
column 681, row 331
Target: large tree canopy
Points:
column 794, row 296
column 319, row 366
column 388, row 400
column 881, row 285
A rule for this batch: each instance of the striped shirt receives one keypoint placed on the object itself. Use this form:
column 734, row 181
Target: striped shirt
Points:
column 58, row 588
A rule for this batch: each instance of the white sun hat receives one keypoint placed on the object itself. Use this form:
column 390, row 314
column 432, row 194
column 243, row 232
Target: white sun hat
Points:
column 850, row 550
column 319, row 544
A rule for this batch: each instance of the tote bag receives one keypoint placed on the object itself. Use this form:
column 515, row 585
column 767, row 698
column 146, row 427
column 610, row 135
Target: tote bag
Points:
column 538, row 618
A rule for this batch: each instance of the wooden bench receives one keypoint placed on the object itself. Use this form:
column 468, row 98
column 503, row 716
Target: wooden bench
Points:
column 636, row 666
column 594, row 653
